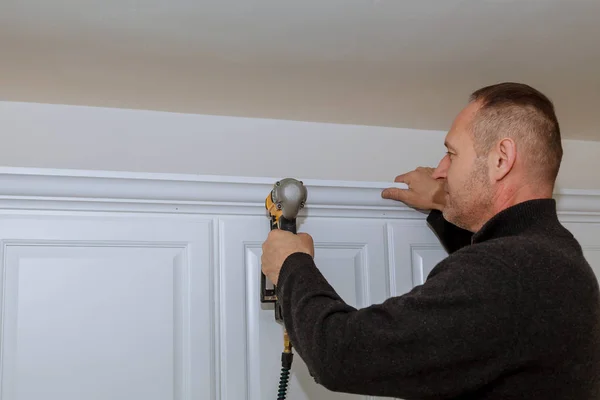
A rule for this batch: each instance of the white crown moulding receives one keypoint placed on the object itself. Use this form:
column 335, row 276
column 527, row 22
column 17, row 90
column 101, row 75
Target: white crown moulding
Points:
column 102, row 191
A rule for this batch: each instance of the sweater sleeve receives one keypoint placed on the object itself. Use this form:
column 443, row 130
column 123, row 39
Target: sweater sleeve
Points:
column 451, row 236
column 452, row 334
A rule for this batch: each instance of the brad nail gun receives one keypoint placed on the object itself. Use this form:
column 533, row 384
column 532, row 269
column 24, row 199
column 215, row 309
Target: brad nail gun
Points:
column 284, row 202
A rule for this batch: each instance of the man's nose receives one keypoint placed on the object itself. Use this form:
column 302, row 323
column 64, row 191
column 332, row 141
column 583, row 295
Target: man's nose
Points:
column 442, row 169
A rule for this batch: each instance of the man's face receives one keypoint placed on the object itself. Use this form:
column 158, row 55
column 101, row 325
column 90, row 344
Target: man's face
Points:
column 468, row 188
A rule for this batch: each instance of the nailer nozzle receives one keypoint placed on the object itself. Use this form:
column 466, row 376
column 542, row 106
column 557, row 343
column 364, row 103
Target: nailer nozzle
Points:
column 286, row 199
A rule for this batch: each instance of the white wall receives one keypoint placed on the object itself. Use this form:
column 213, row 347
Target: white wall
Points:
column 57, row 136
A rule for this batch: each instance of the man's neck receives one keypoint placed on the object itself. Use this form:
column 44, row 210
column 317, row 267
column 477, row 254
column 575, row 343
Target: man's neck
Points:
column 510, row 197
column 507, row 197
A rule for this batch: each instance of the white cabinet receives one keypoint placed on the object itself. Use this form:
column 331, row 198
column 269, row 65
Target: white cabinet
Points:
column 106, row 307
column 416, row 250
column 121, row 286
column 350, row 252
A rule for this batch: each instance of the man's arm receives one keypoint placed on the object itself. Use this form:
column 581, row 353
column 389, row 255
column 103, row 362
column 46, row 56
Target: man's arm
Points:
column 451, row 334
column 451, row 236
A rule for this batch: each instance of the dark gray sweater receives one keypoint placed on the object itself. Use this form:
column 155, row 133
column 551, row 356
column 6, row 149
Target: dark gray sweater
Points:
column 512, row 313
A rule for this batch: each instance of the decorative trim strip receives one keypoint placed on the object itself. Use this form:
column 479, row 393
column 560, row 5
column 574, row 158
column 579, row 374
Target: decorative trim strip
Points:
column 80, row 190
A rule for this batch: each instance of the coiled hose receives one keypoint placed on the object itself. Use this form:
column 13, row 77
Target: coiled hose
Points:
column 286, row 363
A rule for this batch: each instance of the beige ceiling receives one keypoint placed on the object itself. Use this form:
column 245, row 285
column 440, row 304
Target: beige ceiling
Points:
column 377, row 62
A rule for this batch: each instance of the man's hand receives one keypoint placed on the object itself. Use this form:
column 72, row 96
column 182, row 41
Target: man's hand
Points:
column 423, row 193
column 280, row 245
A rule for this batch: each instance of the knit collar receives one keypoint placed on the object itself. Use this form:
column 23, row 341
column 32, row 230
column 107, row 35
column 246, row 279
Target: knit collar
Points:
column 517, row 219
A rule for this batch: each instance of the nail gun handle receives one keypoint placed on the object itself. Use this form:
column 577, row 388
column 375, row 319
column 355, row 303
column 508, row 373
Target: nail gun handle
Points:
column 269, row 295
column 286, row 225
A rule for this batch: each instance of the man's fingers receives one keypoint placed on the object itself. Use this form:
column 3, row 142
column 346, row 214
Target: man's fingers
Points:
column 402, row 178
column 396, row 194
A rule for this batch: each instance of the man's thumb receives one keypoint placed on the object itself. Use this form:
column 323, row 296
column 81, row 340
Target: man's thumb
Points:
column 307, row 242
column 305, row 237
column 395, row 194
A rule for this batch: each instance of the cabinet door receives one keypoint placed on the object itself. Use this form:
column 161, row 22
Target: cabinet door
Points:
column 351, row 253
column 106, row 307
column 415, row 251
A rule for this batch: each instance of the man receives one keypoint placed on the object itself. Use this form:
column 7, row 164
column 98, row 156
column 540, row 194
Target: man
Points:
column 512, row 313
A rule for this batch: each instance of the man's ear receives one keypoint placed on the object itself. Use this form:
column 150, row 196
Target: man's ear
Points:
column 504, row 156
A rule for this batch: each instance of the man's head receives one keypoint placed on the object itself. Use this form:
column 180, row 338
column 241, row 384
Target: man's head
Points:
column 504, row 147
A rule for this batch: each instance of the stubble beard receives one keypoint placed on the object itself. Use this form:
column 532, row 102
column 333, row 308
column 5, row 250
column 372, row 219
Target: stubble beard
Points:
column 467, row 206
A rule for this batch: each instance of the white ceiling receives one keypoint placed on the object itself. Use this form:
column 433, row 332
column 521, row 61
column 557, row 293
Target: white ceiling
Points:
column 378, row 62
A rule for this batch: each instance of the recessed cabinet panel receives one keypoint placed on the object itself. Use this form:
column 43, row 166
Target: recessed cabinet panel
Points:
column 352, row 256
column 106, row 309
